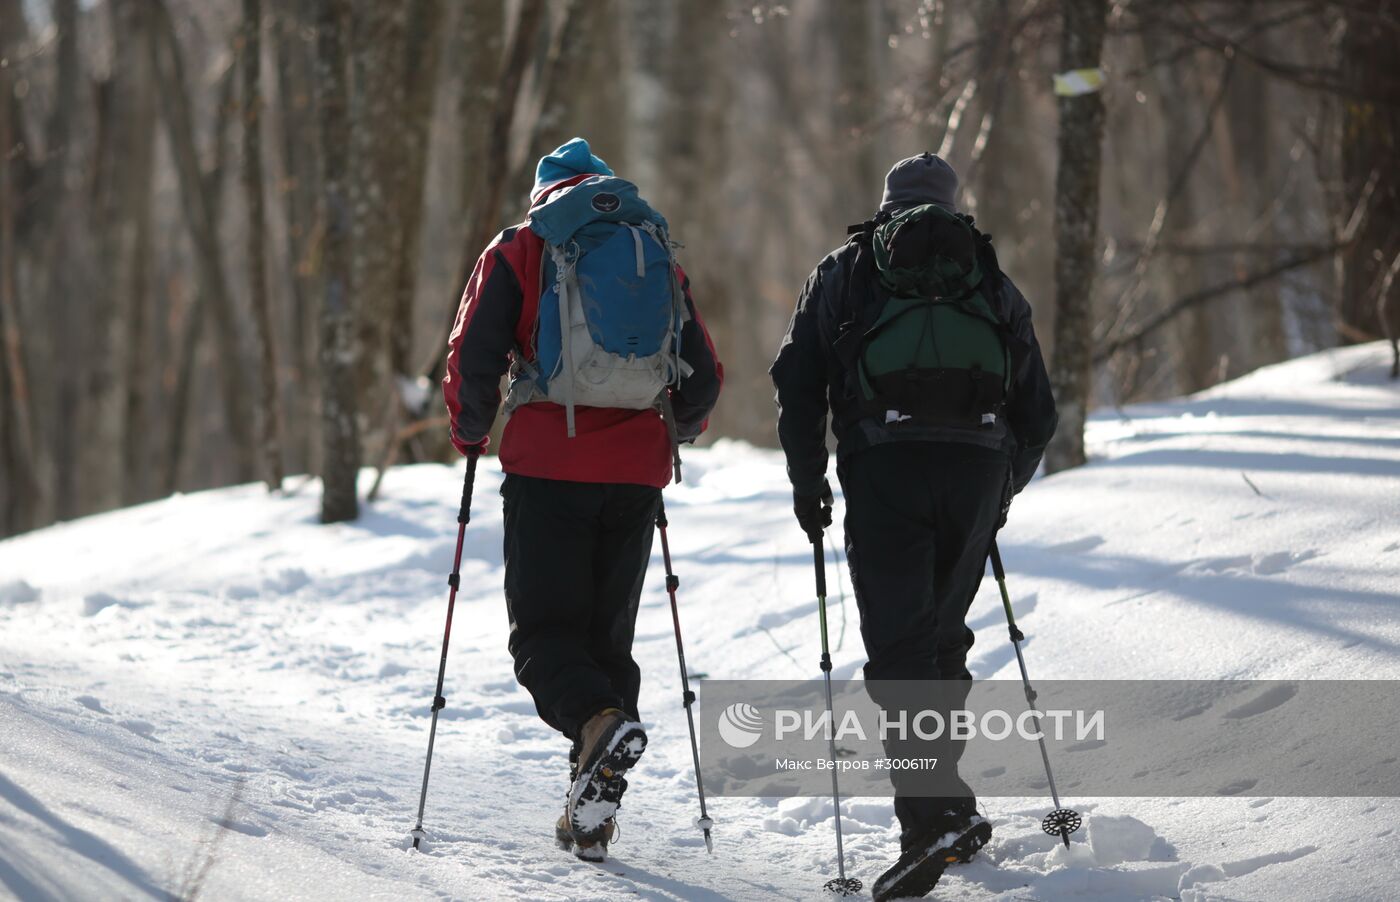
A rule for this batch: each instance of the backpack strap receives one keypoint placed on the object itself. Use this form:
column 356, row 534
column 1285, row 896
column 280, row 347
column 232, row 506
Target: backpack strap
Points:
column 865, row 231
column 681, row 369
column 566, row 281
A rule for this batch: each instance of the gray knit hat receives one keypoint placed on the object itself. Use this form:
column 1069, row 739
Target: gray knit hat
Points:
column 925, row 179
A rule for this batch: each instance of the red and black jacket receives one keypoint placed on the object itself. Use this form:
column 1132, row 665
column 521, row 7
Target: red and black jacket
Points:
column 497, row 319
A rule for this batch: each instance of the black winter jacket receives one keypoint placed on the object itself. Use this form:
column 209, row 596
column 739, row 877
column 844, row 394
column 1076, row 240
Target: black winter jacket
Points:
column 811, row 381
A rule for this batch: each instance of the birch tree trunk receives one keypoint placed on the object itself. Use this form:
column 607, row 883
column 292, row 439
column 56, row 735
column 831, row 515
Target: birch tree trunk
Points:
column 339, row 358
column 269, row 408
column 1076, row 232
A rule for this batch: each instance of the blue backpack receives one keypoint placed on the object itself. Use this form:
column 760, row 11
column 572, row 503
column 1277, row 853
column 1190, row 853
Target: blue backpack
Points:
column 611, row 307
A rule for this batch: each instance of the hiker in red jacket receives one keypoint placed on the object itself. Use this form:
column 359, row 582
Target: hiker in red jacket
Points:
column 611, row 370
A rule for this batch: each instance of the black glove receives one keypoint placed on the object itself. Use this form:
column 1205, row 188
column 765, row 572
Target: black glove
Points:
column 814, row 511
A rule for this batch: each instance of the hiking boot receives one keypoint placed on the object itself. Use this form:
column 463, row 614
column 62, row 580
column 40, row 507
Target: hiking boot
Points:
column 595, row 849
column 954, row 839
column 609, row 745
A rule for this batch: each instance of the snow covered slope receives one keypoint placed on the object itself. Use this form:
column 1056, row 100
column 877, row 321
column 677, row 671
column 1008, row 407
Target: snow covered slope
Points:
column 222, row 659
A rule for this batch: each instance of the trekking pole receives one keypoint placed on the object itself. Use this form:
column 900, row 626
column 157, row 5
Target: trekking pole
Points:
column 1062, row 821
column 454, row 580
column 841, row 885
column 673, row 583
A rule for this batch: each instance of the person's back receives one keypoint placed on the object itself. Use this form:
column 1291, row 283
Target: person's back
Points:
column 611, row 370
column 923, row 354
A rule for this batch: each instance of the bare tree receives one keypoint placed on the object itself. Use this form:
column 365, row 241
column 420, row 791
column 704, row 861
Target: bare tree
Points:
column 486, row 216
column 298, row 186
column 488, row 191
column 124, row 168
column 168, row 61
column 377, row 62
column 1252, row 175
column 17, row 444
column 269, row 412
column 422, row 49
column 137, row 482
column 339, row 358
column 1076, row 232
column 1369, row 136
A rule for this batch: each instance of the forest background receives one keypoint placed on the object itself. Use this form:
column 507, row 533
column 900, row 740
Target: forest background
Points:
column 233, row 233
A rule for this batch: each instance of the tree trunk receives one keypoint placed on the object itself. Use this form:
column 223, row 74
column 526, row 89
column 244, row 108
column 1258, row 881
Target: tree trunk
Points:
column 188, row 347
column 1249, row 154
column 422, row 48
column 1195, row 333
column 18, row 452
column 1076, row 232
column 481, row 41
column 203, row 225
column 378, row 59
column 339, row 360
column 1370, row 142
column 298, row 187
column 495, row 162
column 125, row 168
column 269, row 413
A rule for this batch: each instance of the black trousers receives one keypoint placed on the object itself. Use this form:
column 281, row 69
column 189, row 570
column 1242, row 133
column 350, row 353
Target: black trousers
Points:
column 576, row 557
column 920, row 518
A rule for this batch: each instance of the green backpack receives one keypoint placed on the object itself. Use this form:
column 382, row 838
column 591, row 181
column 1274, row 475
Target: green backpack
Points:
column 931, row 350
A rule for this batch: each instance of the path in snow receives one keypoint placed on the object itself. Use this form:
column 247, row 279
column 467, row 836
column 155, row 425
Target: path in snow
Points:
column 221, row 659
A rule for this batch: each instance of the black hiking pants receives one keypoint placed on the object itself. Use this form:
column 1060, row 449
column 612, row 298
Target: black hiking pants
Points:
column 920, row 518
column 576, row 555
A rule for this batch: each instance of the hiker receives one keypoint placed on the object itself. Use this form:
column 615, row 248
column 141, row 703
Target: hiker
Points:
column 611, row 369
column 923, row 353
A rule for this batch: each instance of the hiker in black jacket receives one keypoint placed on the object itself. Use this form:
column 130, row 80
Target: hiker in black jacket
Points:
column 922, row 355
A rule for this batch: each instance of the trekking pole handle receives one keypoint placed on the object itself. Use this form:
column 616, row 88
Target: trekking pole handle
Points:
column 464, row 514
column 997, row 569
column 819, row 559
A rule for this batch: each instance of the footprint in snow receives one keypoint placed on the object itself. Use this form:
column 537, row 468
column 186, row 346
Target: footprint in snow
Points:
column 99, row 601
column 1267, row 700
column 247, row 829
column 92, row 704
column 1237, row 787
column 143, row 728
column 17, row 592
column 1226, row 564
column 1279, row 561
column 1078, row 546
column 1214, row 873
column 1259, row 564
column 287, row 581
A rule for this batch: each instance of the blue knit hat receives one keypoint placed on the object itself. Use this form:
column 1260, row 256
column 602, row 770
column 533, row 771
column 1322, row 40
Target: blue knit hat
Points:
column 571, row 158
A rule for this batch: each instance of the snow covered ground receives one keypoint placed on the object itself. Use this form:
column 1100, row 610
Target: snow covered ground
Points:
column 220, row 658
